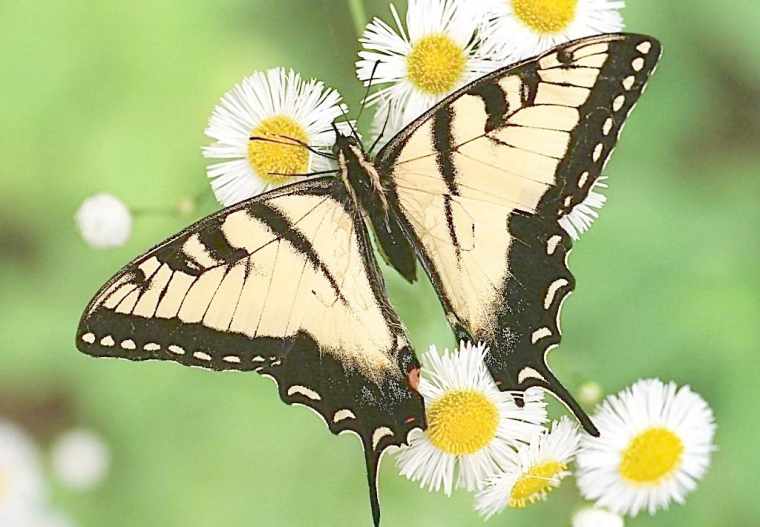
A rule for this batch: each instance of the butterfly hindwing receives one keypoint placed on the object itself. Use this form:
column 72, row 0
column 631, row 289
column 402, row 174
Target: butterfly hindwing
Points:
column 285, row 285
column 481, row 181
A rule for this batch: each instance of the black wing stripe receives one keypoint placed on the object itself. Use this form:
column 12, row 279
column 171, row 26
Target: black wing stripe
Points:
column 529, row 168
column 281, row 226
column 443, row 141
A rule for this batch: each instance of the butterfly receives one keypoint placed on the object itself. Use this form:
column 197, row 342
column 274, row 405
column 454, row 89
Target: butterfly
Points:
column 286, row 284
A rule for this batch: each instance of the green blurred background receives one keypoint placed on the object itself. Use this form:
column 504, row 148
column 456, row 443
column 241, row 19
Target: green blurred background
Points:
column 114, row 96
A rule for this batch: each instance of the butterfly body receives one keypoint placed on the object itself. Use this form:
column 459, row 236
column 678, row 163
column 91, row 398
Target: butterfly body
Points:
column 286, row 284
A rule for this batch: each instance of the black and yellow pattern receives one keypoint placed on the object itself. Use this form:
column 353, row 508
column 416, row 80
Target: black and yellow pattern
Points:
column 286, row 284
column 480, row 182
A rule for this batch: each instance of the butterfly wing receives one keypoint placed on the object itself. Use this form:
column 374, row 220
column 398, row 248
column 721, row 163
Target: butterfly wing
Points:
column 481, row 181
column 285, row 285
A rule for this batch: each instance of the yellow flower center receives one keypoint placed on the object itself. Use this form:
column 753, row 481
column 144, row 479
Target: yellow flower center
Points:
column 651, row 456
column 545, row 16
column 462, row 422
column 281, row 153
column 536, row 483
column 435, row 64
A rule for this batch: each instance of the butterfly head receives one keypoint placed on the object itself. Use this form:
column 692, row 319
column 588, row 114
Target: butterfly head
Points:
column 346, row 143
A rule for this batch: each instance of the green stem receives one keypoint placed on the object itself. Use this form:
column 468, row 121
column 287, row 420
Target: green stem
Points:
column 358, row 14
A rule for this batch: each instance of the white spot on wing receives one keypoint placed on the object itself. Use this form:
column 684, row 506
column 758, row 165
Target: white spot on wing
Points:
column 583, row 179
column 607, row 128
column 552, row 291
column 638, row 64
column 341, row 415
column 151, row 346
column 128, row 344
column 552, row 243
column 540, row 334
column 176, row 350
column 598, row 152
column 306, row 392
column 202, row 356
column 628, row 82
column 379, row 434
column 644, row 47
column 529, row 373
column 107, row 341
column 618, row 103
column 233, row 359
column 89, row 338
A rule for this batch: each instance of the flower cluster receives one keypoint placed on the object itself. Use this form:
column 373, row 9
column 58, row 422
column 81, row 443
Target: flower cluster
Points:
column 655, row 443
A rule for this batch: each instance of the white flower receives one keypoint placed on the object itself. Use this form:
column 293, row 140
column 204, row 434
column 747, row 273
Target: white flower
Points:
column 284, row 113
column 582, row 216
column 423, row 61
column 538, row 468
column 655, row 443
column 472, row 426
column 593, row 517
column 22, row 489
column 80, row 459
column 104, row 221
column 519, row 29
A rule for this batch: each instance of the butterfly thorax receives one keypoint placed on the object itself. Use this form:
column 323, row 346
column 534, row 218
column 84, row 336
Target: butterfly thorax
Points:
column 360, row 176
column 365, row 188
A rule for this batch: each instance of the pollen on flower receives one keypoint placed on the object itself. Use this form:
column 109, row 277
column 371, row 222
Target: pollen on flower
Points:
column 545, row 16
column 536, row 483
column 270, row 159
column 462, row 422
column 651, row 456
column 435, row 64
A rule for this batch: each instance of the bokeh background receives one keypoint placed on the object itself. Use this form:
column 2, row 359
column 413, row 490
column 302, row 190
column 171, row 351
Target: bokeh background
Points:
column 114, row 96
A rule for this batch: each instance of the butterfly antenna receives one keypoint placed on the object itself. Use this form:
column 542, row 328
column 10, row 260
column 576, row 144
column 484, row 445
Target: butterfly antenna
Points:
column 308, row 174
column 366, row 93
column 291, row 141
column 382, row 132
column 351, row 125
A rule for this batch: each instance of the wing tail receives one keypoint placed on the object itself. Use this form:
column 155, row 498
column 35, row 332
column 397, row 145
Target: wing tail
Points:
column 556, row 388
column 372, row 459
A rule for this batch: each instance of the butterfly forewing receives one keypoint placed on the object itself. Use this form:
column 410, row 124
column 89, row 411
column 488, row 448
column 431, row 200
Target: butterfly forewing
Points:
column 285, row 285
column 481, row 181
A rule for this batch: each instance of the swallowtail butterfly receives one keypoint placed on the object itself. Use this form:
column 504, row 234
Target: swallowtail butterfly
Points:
column 286, row 284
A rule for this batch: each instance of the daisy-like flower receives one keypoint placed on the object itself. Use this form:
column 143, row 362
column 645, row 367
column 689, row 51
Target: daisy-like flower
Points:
column 538, row 468
column 104, row 221
column 80, row 459
column 21, row 482
column 473, row 427
column 422, row 61
column 655, row 443
column 594, row 517
column 282, row 113
column 519, row 29
column 580, row 219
